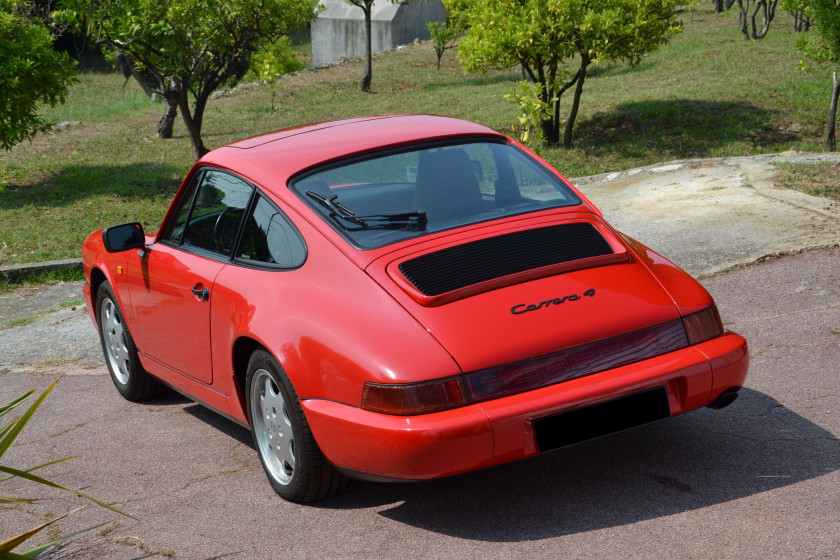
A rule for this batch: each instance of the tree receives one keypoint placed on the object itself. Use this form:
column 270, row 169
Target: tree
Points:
column 366, row 7
column 768, row 12
column 445, row 34
column 547, row 36
column 272, row 61
column 825, row 50
column 150, row 83
column 193, row 47
column 31, row 73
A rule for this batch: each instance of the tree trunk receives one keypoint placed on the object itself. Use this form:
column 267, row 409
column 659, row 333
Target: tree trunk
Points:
column 167, row 121
column 718, row 6
column 742, row 18
column 567, row 134
column 549, row 131
column 193, row 123
column 364, row 83
column 550, row 128
column 830, row 144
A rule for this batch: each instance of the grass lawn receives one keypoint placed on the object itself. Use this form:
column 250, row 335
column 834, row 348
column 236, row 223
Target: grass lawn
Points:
column 709, row 93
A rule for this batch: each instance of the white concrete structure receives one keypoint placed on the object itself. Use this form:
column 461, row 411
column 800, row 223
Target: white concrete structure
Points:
column 339, row 31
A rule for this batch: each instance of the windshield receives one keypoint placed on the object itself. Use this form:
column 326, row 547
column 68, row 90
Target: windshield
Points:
column 399, row 195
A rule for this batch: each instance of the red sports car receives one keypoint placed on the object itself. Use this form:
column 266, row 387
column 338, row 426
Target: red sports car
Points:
column 401, row 297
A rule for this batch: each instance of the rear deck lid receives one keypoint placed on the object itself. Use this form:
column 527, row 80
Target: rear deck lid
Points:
column 525, row 292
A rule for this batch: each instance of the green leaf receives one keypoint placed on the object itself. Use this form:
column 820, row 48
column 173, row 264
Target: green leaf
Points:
column 34, row 552
column 9, row 406
column 39, row 480
column 39, row 467
column 20, row 423
column 10, row 544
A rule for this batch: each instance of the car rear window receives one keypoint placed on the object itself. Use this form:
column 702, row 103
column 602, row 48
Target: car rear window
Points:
column 397, row 195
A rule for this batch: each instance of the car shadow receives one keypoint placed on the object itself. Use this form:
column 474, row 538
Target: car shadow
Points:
column 224, row 425
column 689, row 462
column 474, row 81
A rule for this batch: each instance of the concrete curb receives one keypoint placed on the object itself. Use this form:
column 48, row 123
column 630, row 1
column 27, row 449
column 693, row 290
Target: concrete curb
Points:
column 19, row 272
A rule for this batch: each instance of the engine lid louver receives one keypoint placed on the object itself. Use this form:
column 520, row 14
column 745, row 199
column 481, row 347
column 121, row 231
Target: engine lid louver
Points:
column 472, row 263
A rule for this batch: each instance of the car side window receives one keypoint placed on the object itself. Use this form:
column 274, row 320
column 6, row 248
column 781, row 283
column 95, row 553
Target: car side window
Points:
column 209, row 219
column 269, row 237
column 175, row 230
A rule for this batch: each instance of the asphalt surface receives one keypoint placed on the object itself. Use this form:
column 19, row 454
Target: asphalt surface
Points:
column 760, row 479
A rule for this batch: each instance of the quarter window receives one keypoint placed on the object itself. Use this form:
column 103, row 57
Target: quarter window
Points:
column 270, row 238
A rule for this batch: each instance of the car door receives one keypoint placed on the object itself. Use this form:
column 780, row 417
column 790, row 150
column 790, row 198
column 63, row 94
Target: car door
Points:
column 171, row 286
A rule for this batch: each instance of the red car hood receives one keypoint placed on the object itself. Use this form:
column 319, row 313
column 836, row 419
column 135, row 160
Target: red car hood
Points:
column 507, row 316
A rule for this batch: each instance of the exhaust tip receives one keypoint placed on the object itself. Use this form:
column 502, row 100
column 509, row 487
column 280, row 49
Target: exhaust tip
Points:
column 724, row 399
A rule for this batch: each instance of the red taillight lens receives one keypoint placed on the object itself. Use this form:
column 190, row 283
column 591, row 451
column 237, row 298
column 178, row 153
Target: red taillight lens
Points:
column 574, row 362
column 703, row 325
column 416, row 398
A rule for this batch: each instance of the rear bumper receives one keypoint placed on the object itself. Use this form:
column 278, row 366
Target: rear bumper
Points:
column 502, row 430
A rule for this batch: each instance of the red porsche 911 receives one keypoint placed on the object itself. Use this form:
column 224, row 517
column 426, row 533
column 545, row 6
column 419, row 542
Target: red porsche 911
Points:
column 401, row 297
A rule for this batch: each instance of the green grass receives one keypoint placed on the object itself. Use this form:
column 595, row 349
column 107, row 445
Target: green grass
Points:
column 99, row 97
column 42, row 278
column 709, row 93
column 816, row 179
column 23, row 320
column 35, row 316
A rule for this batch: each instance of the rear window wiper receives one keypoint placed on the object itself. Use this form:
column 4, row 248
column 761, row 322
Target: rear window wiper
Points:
column 401, row 220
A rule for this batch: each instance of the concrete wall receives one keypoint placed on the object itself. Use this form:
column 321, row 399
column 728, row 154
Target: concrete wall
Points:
column 339, row 31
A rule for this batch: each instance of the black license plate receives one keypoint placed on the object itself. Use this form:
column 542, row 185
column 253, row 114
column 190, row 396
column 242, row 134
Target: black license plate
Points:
column 601, row 419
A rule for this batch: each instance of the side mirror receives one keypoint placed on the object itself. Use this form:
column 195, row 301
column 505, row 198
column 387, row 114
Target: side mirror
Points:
column 123, row 237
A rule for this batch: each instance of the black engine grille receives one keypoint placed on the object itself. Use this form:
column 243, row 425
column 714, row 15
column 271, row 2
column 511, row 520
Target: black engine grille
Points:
column 479, row 261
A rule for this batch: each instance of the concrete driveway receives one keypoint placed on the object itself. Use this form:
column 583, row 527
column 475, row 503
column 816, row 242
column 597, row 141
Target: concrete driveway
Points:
column 760, row 479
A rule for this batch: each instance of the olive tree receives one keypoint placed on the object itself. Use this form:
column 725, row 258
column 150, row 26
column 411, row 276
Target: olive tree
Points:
column 767, row 8
column 31, row 73
column 192, row 47
column 555, row 42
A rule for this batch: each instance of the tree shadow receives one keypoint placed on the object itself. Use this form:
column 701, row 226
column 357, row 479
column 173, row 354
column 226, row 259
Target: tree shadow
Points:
column 689, row 462
column 680, row 128
column 476, row 81
column 71, row 183
column 618, row 69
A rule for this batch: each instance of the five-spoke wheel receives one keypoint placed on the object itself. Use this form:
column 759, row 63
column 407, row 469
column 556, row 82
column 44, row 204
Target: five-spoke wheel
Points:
column 272, row 428
column 294, row 464
column 129, row 377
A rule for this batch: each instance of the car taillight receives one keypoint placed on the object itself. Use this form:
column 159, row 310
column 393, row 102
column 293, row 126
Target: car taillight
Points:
column 577, row 361
column 703, row 325
column 415, row 398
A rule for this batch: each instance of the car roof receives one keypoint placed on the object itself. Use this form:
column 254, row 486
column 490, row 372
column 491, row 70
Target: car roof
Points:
column 271, row 159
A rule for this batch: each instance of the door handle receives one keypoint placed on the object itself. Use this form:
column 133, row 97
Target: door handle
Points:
column 203, row 294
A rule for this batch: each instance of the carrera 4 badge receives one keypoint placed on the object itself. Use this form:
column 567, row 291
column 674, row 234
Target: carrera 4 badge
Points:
column 525, row 308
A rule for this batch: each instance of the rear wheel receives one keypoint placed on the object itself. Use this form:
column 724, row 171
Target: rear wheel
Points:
column 295, row 466
column 129, row 377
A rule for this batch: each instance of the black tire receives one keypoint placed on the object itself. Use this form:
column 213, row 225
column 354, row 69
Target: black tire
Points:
column 290, row 456
column 129, row 377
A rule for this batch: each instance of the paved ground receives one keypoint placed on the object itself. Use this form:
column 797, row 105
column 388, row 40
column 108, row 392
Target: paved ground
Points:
column 760, row 479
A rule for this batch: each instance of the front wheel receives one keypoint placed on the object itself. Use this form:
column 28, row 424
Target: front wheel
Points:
column 129, row 377
column 295, row 466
